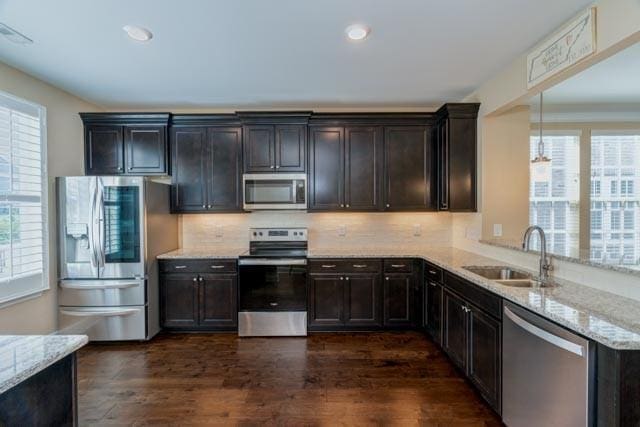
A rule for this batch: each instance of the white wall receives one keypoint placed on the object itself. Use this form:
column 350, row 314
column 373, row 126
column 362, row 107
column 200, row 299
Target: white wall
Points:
column 617, row 28
column 64, row 157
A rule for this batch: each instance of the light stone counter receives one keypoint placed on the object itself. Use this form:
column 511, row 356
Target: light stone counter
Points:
column 22, row 356
column 204, row 253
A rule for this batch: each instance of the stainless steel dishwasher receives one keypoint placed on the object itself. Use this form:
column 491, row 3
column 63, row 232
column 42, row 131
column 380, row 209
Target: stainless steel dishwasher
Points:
column 546, row 372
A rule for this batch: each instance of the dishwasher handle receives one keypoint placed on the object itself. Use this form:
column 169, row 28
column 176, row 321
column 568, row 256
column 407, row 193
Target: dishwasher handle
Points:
column 544, row 335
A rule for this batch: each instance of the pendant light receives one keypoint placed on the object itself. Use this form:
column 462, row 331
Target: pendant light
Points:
column 541, row 165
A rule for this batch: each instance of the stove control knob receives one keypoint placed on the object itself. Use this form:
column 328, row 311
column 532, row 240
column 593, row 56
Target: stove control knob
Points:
column 255, row 234
column 260, row 233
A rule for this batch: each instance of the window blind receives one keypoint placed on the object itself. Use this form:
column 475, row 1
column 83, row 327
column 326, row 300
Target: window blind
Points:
column 23, row 236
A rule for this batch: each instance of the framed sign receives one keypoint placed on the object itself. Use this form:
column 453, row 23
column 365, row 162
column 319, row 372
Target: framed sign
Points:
column 575, row 41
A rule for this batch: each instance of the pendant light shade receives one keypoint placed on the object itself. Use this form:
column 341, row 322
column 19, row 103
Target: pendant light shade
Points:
column 541, row 164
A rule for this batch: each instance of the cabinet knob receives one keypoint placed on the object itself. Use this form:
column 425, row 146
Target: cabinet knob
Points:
column 130, row 168
column 204, row 206
column 386, row 278
column 278, row 167
column 209, row 206
column 342, row 278
column 347, row 205
column 195, row 279
column 341, row 205
column 200, row 279
column 120, row 168
column 346, row 278
column 388, row 205
column 271, row 166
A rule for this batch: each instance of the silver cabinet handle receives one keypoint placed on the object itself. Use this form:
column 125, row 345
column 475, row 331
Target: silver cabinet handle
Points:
column 179, row 267
column 432, row 284
column 328, row 266
column 433, row 272
column 195, row 279
column 397, row 265
column 544, row 335
column 217, row 267
column 273, row 304
column 359, row 265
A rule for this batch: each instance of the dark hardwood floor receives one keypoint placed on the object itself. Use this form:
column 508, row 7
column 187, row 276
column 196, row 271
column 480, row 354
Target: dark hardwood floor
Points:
column 325, row 379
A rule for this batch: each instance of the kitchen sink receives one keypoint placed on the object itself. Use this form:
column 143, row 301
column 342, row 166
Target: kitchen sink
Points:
column 506, row 276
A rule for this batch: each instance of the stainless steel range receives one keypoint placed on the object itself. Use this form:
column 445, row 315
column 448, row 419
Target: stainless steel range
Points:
column 273, row 283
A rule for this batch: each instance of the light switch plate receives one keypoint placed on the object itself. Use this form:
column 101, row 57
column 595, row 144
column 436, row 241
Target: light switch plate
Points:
column 342, row 230
column 218, row 231
column 497, row 230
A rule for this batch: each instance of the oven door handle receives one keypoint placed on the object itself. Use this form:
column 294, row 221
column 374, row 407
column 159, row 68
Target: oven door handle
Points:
column 272, row 261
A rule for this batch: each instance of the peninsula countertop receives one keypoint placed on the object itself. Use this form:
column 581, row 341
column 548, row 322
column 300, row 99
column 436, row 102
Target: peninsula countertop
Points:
column 22, row 356
column 607, row 318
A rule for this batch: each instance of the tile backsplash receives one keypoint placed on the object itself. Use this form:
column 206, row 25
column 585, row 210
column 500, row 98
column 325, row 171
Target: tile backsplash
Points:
column 326, row 230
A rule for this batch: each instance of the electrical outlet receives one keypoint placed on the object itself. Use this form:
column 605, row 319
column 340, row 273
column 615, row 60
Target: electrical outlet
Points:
column 497, row 230
column 417, row 230
column 218, row 231
column 342, row 230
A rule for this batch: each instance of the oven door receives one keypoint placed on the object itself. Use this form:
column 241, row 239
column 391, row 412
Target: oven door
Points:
column 274, row 191
column 268, row 284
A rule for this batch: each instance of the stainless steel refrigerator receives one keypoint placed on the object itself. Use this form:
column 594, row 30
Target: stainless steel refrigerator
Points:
column 110, row 230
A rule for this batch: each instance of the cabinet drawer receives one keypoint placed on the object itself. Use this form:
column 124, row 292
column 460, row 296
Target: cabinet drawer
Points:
column 431, row 272
column 482, row 299
column 198, row 266
column 398, row 265
column 344, row 266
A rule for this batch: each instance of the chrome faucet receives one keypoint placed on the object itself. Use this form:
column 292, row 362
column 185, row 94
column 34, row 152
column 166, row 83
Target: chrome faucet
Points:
column 545, row 262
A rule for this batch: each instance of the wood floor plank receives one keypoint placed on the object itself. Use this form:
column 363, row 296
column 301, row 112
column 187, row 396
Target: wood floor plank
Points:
column 322, row 380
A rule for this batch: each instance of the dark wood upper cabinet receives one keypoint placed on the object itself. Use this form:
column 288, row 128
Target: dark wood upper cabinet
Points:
column 218, row 301
column 206, row 165
column 259, row 148
column 103, row 150
column 326, row 167
column 188, row 189
column 409, row 162
column 363, row 168
column 290, row 148
column 126, row 143
column 224, row 169
column 362, row 300
column 456, row 134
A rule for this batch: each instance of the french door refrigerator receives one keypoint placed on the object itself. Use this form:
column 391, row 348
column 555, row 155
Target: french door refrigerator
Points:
column 110, row 230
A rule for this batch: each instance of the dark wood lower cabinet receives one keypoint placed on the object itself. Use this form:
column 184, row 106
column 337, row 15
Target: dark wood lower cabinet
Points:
column 199, row 302
column 398, row 300
column 325, row 304
column 485, row 355
column 433, row 310
column 362, row 300
column 454, row 341
column 218, row 296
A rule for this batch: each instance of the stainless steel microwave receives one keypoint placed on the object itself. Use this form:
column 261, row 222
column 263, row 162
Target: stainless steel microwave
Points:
column 274, row 191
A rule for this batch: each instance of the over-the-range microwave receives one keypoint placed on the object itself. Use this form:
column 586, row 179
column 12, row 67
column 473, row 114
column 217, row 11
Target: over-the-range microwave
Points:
column 274, row 191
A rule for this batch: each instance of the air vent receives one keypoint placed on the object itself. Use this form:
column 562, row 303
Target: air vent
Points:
column 13, row 35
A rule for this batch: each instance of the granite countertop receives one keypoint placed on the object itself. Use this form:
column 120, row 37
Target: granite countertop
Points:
column 22, row 356
column 204, row 253
column 607, row 318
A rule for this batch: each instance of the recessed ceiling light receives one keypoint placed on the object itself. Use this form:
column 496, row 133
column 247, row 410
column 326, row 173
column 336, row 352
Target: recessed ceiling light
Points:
column 138, row 33
column 357, row 32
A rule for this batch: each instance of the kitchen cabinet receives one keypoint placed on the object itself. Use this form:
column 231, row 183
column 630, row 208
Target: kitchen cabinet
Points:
column 485, row 355
column 326, row 301
column 455, row 342
column 345, row 166
column 398, row 300
column 433, row 310
column 125, row 144
column 409, row 164
column 456, row 137
column 362, row 300
column 206, row 169
column 193, row 298
column 274, row 148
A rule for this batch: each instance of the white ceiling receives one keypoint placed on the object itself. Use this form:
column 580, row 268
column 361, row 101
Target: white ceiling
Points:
column 274, row 53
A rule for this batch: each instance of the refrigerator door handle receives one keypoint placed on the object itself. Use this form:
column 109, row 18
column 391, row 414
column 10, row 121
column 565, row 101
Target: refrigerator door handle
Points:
column 100, row 225
column 92, row 230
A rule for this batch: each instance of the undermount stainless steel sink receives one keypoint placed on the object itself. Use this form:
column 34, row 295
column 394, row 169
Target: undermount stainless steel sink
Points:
column 506, row 276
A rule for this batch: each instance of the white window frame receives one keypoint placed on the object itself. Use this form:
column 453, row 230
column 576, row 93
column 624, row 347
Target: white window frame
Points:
column 18, row 294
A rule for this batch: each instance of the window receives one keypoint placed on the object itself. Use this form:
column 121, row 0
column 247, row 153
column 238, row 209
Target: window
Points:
column 554, row 204
column 617, row 153
column 23, row 199
column 595, row 188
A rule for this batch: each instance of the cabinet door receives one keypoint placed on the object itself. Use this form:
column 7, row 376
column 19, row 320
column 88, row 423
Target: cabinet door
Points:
column 433, row 307
column 326, row 301
column 179, row 301
column 485, row 355
column 218, row 301
column 188, row 189
column 455, row 329
column 224, row 174
column 398, row 290
column 291, row 141
column 409, row 173
column 362, row 300
column 442, row 144
column 326, row 168
column 103, row 150
column 259, row 149
column 145, row 150
column 363, row 168
column 461, row 148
